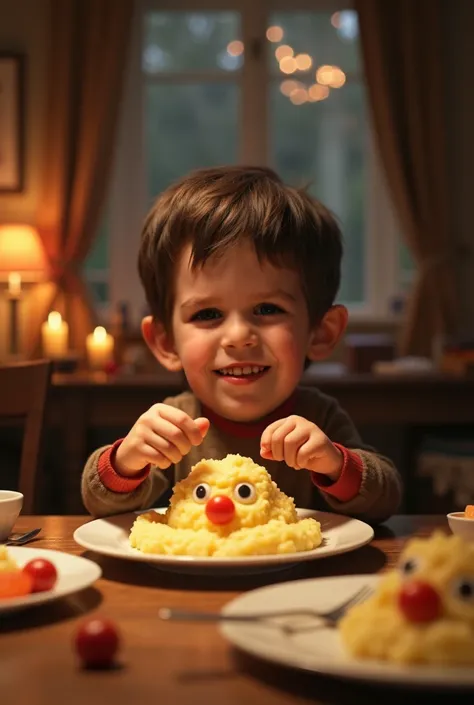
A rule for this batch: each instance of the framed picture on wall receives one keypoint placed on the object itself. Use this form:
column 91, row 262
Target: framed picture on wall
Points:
column 11, row 122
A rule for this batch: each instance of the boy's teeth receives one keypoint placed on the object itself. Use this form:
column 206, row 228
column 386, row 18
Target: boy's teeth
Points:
column 238, row 371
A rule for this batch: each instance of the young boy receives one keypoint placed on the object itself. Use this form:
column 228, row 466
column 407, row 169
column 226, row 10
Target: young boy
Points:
column 240, row 274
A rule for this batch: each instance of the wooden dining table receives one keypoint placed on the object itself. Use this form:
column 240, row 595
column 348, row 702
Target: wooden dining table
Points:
column 167, row 663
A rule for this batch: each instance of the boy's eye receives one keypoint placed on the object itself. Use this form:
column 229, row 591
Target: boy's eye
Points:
column 207, row 314
column 267, row 310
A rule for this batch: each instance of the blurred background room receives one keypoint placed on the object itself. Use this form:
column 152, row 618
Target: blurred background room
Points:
column 104, row 103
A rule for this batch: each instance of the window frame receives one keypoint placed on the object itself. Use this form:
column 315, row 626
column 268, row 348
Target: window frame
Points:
column 127, row 204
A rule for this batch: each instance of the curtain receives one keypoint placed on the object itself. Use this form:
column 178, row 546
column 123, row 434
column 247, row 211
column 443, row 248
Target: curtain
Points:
column 402, row 48
column 88, row 51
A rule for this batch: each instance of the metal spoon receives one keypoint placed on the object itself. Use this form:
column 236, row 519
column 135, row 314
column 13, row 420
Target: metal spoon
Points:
column 20, row 539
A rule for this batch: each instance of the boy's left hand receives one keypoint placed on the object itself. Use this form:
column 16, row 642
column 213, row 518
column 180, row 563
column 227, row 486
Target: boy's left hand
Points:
column 302, row 445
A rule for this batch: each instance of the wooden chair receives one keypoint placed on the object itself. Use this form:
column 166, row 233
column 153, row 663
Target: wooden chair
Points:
column 23, row 394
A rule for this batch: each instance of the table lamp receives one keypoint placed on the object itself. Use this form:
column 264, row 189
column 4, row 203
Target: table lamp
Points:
column 22, row 260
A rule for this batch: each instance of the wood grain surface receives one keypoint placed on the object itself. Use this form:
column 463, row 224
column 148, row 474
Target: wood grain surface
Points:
column 164, row 663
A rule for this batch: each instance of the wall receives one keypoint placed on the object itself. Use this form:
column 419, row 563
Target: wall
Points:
column 23, row 29
column 460, row 120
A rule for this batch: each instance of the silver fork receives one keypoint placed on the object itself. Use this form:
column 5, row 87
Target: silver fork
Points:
column 330, row 617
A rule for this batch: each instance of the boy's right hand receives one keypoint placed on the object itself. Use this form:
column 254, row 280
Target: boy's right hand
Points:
column 162, row 436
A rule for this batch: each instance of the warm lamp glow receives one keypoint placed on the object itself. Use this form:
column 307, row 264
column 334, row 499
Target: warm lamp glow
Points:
column 21, row 251
column 14, row 284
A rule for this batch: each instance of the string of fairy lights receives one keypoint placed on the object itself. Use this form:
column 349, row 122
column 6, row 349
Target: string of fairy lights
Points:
column 326, row 76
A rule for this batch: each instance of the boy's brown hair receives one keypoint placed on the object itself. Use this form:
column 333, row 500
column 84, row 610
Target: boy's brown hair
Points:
column 214, row 209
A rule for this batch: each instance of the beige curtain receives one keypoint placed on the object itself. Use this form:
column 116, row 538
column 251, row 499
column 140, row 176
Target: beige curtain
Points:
column 402, row 50
column 88, row 49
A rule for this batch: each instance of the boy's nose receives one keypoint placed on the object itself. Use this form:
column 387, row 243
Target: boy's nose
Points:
column 239, row 334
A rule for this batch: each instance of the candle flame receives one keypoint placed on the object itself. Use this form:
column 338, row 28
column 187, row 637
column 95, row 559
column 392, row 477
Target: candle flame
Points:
column 100, row 334
column 54, row 320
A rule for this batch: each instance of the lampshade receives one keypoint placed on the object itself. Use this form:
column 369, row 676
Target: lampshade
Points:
column 21, row 251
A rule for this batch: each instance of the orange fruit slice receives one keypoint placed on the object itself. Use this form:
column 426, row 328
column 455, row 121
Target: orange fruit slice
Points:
column 469, row 511
column 15, row 583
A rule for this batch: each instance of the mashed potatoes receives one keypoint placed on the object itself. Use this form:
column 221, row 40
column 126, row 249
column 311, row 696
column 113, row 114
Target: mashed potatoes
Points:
column 422, row 612
column 228, row 507
column 7, row 564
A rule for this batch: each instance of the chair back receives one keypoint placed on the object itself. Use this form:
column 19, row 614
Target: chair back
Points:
column 23, row 395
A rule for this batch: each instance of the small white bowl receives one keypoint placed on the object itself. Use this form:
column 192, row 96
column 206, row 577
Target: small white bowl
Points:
column 461, row 526
column 10, row 508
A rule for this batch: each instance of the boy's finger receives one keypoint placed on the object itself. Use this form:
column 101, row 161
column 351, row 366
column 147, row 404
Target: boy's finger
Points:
column 166, row 447
column 266, row 453
column 290, row 450
column 266, row 438
column 277, row 446
column 203, row 425
column 154, row 457
column 279, row 436
column 166, row 430
column 182, row 421
column 292, row 443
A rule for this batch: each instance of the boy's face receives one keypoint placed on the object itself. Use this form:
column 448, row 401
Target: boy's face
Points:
column 241, row 332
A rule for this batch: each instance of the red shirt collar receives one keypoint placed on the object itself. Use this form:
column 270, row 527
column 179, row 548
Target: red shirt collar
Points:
column 249, row 429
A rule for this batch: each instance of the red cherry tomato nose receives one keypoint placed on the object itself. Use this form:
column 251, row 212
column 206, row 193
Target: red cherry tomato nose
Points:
column 419, row 602
column 220, row 509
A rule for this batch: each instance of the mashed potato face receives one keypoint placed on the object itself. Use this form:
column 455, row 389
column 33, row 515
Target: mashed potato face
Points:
column 228, row 507
column 422, row 612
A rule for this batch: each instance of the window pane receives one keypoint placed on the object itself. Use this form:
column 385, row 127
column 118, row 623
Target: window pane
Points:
column 191, row 41
column 99, row 256
column 329, row 39
column 324, row 143
column 188, row 127
column 96, row 266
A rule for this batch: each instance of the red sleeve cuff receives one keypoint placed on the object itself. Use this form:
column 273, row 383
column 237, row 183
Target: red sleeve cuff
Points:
column 348, row 485
column 111, row 479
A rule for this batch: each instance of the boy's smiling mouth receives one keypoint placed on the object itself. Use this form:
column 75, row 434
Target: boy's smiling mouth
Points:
column 241, row 374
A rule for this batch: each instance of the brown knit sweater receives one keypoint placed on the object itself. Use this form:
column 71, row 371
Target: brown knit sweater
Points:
column 378, row 497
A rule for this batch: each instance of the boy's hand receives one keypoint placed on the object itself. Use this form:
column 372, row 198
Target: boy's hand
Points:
column 301, row 444
column 161, row 436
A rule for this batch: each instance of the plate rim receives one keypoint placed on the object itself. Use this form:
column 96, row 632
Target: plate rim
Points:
column 238, row 561
column 364, row 671
column 40, row 598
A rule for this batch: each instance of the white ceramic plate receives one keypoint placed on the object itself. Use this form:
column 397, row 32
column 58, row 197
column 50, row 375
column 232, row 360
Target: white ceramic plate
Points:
column 110, row 537
column 74, row 574
column 319, row 650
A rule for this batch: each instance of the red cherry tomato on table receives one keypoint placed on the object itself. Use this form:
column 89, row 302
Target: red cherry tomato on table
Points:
column 43, row 574
column 419, row 602
column 97, row 641
column 220, row 509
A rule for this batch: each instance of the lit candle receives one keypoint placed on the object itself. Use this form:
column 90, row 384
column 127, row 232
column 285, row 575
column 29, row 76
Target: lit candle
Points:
column 14, row 285
column 54, row 333
column 100, row 348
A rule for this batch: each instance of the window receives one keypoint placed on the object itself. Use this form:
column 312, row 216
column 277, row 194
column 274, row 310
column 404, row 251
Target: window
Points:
column 235, row 82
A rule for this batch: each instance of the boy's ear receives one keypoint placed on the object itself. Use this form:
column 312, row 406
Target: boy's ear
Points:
column 161, row 344
column 327, row 333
